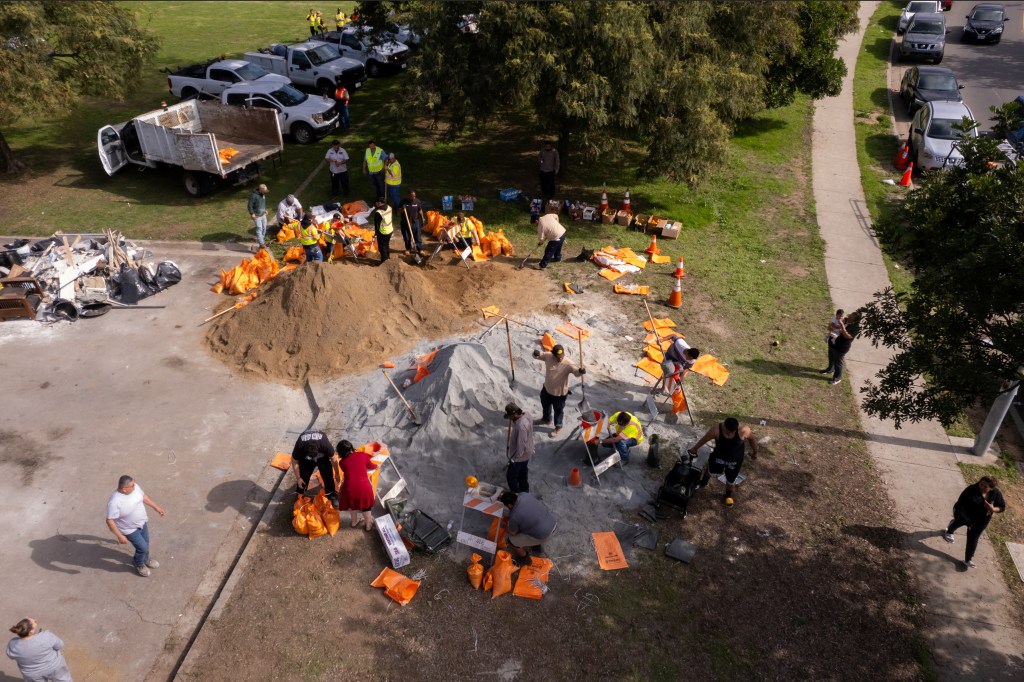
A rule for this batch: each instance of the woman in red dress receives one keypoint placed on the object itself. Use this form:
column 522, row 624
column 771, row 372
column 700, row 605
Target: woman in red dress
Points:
column 356, row 492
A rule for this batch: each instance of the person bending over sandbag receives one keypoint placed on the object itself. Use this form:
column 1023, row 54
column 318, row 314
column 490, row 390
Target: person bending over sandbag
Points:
column 529, row 524
column 312, row 452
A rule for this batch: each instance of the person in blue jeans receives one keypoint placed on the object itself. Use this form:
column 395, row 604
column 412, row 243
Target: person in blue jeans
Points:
column 128, row 521
column 629, row 433
column 551, row 231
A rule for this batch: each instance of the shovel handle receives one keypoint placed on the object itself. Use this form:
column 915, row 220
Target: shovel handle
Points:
column 400, row 396
column 512, row 364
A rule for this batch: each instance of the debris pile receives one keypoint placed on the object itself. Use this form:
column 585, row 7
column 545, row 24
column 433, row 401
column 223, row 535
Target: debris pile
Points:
column 72, row 275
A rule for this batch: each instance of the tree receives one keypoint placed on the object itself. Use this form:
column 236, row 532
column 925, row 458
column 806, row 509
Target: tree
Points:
column 677, row 77
column 959, row 331
column 54, row 52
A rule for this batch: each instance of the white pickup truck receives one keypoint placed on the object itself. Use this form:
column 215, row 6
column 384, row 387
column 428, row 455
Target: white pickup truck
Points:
column 306, row 118
column 377, row 54
column 313, row 64
column 209, row 140
column 209, row 80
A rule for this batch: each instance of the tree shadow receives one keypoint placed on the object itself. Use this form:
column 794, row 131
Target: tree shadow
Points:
column 777, row 368
column 244, row 496
column 888, row 539
column 754, row 127
column 85, row 551
column 880, row 97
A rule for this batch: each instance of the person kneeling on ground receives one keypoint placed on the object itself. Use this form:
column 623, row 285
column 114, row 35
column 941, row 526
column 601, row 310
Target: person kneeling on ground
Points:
column 529, row 524
column 313, row 452
column 974, row 509
column 727, row 457
column 629, row 433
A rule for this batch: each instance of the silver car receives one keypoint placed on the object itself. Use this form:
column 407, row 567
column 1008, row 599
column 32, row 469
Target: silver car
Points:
column 925, row 37
column 913, row 8
column 933, row 139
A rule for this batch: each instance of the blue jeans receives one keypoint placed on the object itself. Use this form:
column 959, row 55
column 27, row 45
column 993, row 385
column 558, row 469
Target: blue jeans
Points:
column 395, row 193
column 140, row 539
column 344, row 116
column 622, row 447
column 313, row 253
column 552, row 252
column 261, row 228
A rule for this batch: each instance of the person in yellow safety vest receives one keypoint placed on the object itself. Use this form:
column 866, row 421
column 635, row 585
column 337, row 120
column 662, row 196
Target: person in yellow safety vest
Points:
column 463, row 233
column 339, row 19
column 384, row 226
column 393, row 179
column 320, row 23
column 311, row 18
column 629, row 433
column 309, row 237
column 373, row 165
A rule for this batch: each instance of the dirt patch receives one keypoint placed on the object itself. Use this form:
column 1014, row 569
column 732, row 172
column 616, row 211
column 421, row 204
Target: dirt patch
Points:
column 25, row 453
column 328, row 320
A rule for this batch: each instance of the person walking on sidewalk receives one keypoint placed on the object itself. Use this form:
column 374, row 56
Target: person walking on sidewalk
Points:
column 337, row 163
column 128, row 521
column 556, row 385
column 974, row 509
column 520, row 449
column 727, row 457
column 373, row 166
column 37, row 653
column 258, row 213
column 550, row 230
column 849, row 329
column 549, row 167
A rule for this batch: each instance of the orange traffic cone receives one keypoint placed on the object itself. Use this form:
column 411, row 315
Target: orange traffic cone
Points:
column 653, row 248
column 680, row 272
column 625, row 203
column 903, row 158
column 574, row 478
column 604, row 201
column 675, row 300
column 905, row 180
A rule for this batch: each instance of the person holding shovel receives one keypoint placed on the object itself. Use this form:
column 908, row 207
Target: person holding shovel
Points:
column 412, row 223
column 520, row 448
column 550, row 230
column 384, row 226
column 556, row 385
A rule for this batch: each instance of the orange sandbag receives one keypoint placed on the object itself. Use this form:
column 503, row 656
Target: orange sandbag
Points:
column 217, row 288
column 709, row 366
column 396, row 585
column 294, row 254
column 506, row 246
column 661, row 323
column 649, row 366
column 634, row 289
column 609, row 551
column 478, row 253
column 529, row 577
column 421, row 373
column 496, row 533
column 299, row 517
column 678, row 402
column 501, row 572
column 610, row 274
column 314, row 522
column 332, row 520
column 660, row 259
column 475, row 571
column 282, row 461
column 547, row 342
column 478, row 226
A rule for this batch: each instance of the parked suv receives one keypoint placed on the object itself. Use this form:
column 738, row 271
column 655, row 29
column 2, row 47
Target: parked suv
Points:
column 913, row 8
column 932, row 135
column 925, row 37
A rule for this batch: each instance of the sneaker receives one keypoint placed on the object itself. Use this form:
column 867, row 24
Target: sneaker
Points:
column 970, row 564
column 558, row 430
column 542, row 422
column 727, row 500
column 834, row 382
column 333, row 497
column 153, row 563
column 948, row 537
column 143, row 571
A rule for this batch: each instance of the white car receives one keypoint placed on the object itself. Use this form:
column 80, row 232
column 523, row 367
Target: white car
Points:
column 933, row 139
column 913, row 8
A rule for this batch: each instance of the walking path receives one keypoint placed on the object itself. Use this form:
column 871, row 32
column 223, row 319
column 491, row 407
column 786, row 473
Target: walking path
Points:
column 969, row 624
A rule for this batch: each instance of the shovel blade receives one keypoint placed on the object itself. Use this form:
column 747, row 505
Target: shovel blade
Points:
column 652, row 407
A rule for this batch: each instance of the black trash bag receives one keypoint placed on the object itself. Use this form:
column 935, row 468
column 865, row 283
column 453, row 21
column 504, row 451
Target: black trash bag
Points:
column 16, row 244
column 167, row 273
column 653, row 452
column 147, row 277
column 131, row 289
column 41, row 245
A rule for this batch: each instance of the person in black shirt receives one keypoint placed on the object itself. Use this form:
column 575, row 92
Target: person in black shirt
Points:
column 412, row 220
column 727, row 458
column 849, row 329
column 314, row 451
column 974, row 509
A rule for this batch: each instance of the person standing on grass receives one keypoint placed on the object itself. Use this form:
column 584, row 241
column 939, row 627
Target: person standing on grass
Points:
column 258, row 213
column 974, row 509
column 520, row 449
column 373, row 166
column 337, row 163
column 849, row 329
column 727, row 457
column 37, row 653
column 128, row 521
column 550, row 230
column 309, row 238
column 550, row 164
column 341, row 95
column 393, row 180
column 556, row 385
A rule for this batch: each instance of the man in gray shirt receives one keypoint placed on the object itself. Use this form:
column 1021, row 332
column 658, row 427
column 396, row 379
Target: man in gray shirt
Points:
column 520, row 449
column 549, row 167
column 529, row 524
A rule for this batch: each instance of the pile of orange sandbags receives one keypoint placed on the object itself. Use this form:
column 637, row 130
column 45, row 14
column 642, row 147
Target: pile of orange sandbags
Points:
column 249, row 274
column 495, row 244
column 288, row 231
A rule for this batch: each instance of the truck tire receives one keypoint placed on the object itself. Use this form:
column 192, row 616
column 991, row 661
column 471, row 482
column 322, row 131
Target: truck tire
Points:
column 197, row 184
column 325, row 85
column 303, row 133
column 188, row 93
column 372, row 68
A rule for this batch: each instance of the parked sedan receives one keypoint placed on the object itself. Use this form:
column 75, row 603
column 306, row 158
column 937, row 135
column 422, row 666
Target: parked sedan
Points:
column 985, row 24
column 923, row 84
column 932, row 135
column 913, row 8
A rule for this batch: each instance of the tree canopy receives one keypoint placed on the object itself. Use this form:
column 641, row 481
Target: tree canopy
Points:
column 53, row 52
column 959, row 331
column 677, row 77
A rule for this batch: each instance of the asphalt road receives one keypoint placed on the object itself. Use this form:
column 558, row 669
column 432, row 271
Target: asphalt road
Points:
column 990, row 74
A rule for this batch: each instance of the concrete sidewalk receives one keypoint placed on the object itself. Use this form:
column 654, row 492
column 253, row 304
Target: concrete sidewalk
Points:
column 969, row 628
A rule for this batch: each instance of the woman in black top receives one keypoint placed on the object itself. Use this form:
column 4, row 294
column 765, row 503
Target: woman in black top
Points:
column 974, row 509
column 849, row 330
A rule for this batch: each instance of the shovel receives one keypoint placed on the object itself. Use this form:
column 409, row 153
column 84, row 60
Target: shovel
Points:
column 584, row 405
column 349, row 246
column 408, row 224
column 412, row 413
column 528, row 256
column 512, row 364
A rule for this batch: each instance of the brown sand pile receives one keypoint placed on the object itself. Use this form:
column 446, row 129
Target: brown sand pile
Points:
column 325, row 320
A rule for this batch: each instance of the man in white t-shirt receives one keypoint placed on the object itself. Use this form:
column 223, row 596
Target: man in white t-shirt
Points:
column 337, row 163
column 127, row 520
column 289, row 210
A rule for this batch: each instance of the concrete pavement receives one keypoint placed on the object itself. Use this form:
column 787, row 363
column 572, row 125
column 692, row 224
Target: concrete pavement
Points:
column 969, row 626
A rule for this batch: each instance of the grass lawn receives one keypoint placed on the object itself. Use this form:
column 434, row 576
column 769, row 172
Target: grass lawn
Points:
column 822, row 595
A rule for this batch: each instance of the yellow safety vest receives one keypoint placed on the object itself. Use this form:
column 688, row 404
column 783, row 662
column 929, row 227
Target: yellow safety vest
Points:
column 312, row 19
column 374, row 160
column 386, row 227
column 308, row 235
column 465, row 229
column 634, row 429
column 339, row 20
column 394, row 174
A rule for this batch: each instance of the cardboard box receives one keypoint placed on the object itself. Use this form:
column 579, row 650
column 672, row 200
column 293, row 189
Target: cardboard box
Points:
column 608, row 217
column 656, row 224
column 640, row 221
column 623, row 218
column 671, row 231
